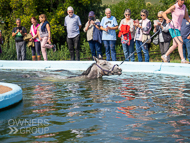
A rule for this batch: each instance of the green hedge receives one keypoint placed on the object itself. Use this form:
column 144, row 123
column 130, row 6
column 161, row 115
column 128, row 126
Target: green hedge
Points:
column 56, row 12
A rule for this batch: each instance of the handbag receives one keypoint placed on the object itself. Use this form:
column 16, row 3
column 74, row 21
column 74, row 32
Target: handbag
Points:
column 125, row 39
column 155, row 40
column 145, row 37
column 26, row 38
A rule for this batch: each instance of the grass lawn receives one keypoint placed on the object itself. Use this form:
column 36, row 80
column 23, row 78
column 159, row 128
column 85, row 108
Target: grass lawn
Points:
column 116, row 1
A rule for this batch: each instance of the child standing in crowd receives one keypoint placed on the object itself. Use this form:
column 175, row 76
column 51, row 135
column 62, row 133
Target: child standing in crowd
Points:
column 37, row 47
column 179, row 11
column 44, row 35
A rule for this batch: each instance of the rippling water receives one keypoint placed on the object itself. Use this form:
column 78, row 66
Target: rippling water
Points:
column 129, row 108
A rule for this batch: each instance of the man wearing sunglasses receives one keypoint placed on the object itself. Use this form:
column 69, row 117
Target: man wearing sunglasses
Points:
column 73, row 25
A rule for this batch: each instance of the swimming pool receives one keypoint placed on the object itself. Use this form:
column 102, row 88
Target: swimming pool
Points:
column 132, row 107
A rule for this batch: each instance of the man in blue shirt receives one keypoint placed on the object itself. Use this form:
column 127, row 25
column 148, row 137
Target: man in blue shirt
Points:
column 185, row 34
column 109, row 25
column 73, row 24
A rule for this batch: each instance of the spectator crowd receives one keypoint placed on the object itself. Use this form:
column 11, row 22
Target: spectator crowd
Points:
column 133, row 33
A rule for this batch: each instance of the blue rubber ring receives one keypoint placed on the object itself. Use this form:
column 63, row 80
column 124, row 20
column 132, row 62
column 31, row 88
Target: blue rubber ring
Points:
column 12, row 97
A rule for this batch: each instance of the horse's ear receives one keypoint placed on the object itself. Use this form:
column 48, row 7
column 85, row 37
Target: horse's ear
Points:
column 100, row 57
column 95, row 59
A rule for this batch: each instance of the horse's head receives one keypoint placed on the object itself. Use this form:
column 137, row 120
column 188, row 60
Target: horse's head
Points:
column 106, row 68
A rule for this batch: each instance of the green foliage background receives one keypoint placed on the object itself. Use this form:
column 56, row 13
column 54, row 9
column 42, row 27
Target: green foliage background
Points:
column 56, row 10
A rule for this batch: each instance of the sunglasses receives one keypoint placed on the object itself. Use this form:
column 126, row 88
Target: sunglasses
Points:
column 143, row 15
column 127, row 14
column 159, row 17
column 70, row 12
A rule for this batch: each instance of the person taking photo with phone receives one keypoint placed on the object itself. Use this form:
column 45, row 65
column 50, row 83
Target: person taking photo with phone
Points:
column 19, row 32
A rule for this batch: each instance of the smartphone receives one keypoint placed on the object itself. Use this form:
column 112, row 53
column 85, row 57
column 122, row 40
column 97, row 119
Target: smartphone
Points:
column 136, row 21
column 20, row 28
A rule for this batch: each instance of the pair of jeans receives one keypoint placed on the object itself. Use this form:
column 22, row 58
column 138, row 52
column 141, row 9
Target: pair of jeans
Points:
column 110, row 45
column 128, row 50
column 186, row 45
column 74, row 42
column 95, row 46
column 140, row 48
column 36, row 49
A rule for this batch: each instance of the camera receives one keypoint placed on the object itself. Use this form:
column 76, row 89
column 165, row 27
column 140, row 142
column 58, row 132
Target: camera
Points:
column 91, row 18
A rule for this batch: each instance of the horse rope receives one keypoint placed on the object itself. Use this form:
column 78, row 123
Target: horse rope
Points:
column 106, row 70
column 140, row 46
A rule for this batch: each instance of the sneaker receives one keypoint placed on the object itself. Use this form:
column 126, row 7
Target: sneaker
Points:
column 54, row 48
column 184, row 62
column 164, row 59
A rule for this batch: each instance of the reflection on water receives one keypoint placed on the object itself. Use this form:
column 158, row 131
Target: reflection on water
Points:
column 132, row 107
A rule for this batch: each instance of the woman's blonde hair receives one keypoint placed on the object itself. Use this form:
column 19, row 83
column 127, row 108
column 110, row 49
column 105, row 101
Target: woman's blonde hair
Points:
column 43, row 16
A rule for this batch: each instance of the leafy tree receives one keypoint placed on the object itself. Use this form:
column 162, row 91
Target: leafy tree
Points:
column 55, row 10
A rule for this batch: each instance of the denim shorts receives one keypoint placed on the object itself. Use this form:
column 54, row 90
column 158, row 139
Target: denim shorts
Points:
column 175, row 33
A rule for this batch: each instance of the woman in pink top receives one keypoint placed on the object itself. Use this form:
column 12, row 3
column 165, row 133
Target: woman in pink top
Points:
column 178, row 11
column 37, row 47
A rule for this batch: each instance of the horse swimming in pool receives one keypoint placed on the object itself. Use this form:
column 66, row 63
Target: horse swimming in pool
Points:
column 96, row 70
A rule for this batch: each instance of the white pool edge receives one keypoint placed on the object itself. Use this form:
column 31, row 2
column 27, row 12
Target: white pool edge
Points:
column 139, row 67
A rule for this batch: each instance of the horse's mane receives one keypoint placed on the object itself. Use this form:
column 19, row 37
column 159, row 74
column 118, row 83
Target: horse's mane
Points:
column 88, row 70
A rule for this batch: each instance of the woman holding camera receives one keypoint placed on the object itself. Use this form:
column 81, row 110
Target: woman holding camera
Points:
column 164, row 37
column 93, row 33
